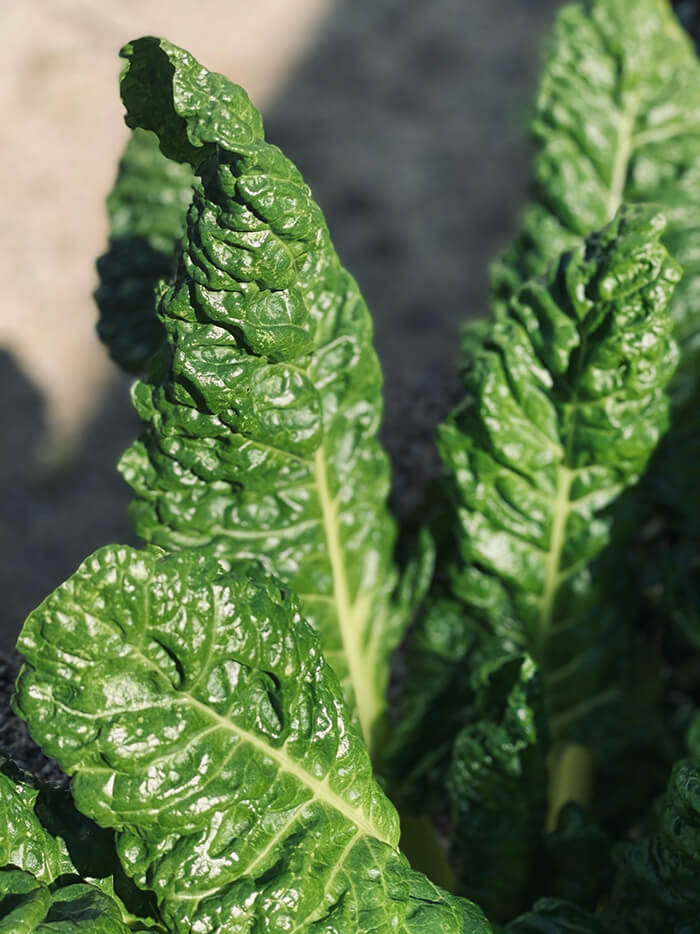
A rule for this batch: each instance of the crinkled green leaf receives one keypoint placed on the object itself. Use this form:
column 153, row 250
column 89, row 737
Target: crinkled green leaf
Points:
column 497, row 784
column 616, row 119
column 657, row 884
column 24, row 841
column 69, row 906
column 44, row 835
column 552, row 916
column 564, row 404
column 438, row 700
column 260, row 442
column 197, row 717
column 147, row 208
column 576, row 864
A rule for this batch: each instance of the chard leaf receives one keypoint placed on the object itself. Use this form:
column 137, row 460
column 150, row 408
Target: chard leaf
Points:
column 497, row 784
column 577, row 866
column 616, row 119
column 45, row 837
column 24, row 841
column 28, row 906
column 657, row 883
column 147, row 208
column 552, row 916
column 564, row 403
column 260, row 441
column 197, row 717
column 438, row 699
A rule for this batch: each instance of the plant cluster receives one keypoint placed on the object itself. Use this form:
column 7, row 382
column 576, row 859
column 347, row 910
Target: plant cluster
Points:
column 219, row 697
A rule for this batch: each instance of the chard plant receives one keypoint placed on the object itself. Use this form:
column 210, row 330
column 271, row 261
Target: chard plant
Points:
column 219, row 697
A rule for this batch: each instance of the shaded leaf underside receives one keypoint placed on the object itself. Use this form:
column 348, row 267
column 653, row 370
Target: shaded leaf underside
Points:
column 147, row 208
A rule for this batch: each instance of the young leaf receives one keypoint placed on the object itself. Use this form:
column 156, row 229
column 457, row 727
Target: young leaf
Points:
column 657, row 884
column 45, row 837
column 197, row 717
column 565, row 402
column 616, row 120
column 261, row 440
column 28, row 906
column 147, row 208
column 438, row 700
column 25, row 842
column 497, row 784
column 552, row 916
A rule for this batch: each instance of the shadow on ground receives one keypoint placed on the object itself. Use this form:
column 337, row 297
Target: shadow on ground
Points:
column 53, row 514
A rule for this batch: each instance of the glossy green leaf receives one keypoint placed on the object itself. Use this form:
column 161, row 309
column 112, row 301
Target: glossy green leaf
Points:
column 564, row 404
column 43, row 835
column 28, row 906
column 24, row 841
column 147, row 208
column 260, row 442
column 616, row 119
column 197, row 717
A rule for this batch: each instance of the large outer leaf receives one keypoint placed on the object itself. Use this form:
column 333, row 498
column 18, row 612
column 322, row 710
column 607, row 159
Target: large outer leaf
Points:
column 260, row 442
column 198, row 718
column 147, row 208
column 617, row 118
column 565, row 402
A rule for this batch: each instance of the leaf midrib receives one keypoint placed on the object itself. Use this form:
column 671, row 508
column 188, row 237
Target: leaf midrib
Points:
column 623, row 153
column 320, row 790
column 562, row 508
column 349, row 615
column 565, row 474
